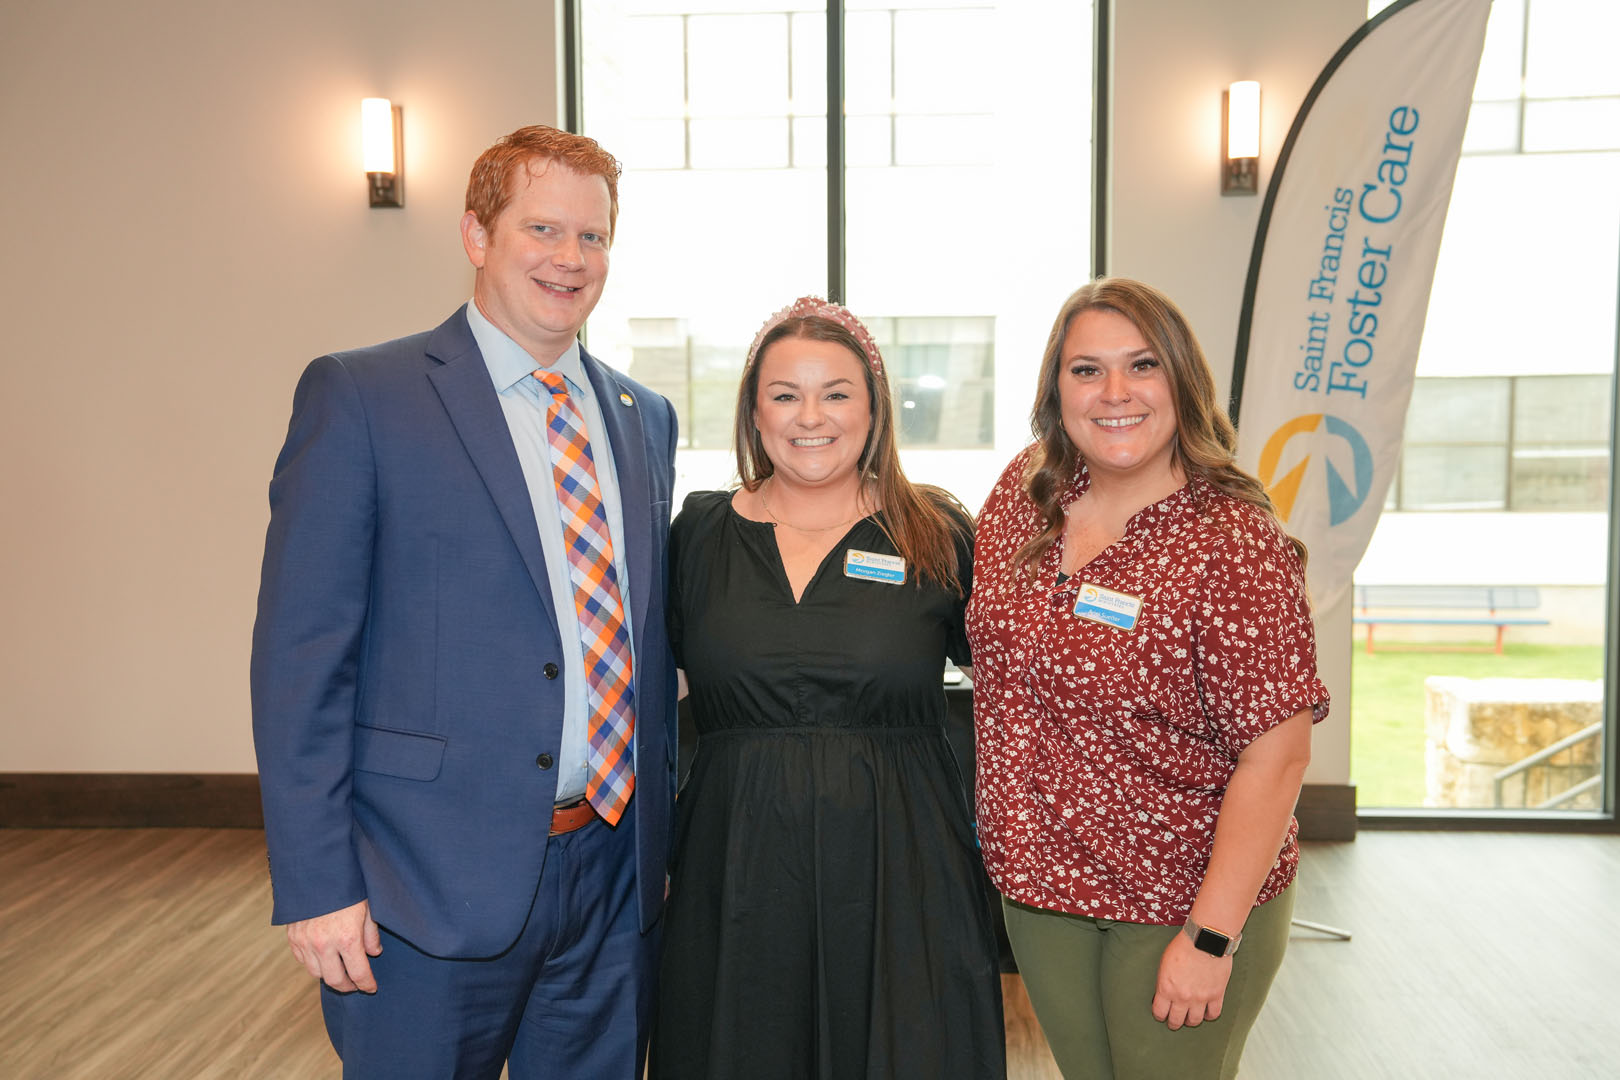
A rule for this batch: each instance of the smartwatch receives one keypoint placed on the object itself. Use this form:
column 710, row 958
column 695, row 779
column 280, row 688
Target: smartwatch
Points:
column 1210, row 941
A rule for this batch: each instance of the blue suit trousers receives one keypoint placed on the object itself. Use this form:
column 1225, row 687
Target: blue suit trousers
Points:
column 570, row 999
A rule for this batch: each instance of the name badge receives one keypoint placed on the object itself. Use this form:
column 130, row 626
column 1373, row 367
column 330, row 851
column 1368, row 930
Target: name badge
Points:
column 870, row 566
column 1106, row 606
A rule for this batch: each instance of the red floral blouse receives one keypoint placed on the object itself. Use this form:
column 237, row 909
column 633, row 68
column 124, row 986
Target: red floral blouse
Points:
column 1103, row 753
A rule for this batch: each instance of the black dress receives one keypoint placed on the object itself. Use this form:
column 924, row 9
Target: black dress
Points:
column 826, row 917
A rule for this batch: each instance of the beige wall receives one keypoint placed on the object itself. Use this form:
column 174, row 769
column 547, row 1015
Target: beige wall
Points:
column 186, row 226
column 1169, row 223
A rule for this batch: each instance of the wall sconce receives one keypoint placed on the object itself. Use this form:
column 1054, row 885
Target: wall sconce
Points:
column 1240, row 139
column 382, row 139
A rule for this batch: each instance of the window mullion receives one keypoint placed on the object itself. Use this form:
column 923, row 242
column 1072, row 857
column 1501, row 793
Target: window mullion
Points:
column 835, row 152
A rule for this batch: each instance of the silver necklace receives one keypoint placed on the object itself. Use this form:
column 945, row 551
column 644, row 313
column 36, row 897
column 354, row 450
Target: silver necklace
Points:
column 800, row 528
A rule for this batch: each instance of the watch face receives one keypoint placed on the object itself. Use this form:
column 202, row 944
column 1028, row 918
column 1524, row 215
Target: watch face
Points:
column 1211, row 941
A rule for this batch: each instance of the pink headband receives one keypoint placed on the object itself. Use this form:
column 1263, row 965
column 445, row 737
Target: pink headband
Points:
column 806, row 306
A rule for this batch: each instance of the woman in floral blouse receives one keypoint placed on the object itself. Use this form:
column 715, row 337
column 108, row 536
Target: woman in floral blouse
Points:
column 1144, row 688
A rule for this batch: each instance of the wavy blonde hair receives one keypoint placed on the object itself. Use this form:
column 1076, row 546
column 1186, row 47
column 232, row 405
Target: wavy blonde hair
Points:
column 1205, row 441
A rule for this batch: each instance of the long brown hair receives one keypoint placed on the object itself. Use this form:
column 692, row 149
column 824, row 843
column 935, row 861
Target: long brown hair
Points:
column 915, row 516
column 1205, row 442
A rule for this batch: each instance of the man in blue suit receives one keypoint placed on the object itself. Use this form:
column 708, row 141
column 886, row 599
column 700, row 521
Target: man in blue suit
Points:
column 444, row 790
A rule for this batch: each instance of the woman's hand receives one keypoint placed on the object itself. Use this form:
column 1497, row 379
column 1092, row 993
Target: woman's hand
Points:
column 1192, row 985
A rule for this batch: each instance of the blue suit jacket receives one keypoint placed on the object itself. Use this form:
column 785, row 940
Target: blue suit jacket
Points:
column 402, row 717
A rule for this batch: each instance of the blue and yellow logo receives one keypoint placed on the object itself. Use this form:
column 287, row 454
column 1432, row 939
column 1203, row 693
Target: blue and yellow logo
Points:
column 1343, row 498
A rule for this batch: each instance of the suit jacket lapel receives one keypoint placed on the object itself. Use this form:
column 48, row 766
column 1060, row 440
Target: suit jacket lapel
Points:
column 463, row 383
column 629, row 442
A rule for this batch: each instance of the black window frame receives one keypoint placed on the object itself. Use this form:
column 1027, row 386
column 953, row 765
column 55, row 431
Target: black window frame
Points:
column 837, row 253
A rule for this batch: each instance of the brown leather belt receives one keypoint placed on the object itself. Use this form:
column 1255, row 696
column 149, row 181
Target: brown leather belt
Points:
column 574, row 815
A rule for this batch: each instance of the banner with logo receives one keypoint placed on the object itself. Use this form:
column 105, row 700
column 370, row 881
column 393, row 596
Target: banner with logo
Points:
column 1339, row 278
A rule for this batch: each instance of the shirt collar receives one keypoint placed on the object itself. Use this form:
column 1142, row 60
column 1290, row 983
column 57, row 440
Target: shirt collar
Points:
column 509, row 364
column 1183, row 501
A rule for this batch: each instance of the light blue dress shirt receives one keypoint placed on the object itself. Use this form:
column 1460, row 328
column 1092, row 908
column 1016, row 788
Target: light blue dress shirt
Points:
column 524, row 401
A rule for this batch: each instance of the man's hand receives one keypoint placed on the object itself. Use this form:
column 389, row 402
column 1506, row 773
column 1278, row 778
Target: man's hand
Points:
column 1192, row 985
column 334, row 947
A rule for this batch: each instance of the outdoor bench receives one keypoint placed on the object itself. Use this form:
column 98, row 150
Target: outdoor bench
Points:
column 1490, row 600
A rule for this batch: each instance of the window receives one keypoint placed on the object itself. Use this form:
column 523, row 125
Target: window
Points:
column 1525, row 442
column 954, row 111
column 941, row 371
column 1505, row 474
column 1560, row 448
column 1546, row 81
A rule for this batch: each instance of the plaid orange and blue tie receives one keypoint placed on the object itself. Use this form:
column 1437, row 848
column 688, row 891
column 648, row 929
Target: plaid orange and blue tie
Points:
column 609, row 691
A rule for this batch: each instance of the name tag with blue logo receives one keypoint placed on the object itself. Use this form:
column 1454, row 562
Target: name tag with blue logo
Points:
column 1106, row 606
column 870, row 566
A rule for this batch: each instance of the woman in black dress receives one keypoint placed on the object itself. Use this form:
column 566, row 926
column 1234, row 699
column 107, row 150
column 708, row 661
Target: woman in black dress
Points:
column 826, row 917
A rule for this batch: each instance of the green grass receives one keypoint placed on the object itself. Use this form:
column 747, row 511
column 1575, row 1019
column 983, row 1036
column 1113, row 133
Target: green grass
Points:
column 1386, row 706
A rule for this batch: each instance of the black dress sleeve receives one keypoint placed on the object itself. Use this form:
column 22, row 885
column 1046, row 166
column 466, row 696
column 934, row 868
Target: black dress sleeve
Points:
column 697, row 520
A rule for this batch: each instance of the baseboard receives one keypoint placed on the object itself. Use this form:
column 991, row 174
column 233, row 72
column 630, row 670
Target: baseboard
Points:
column 231, row 801
column 130, row 800
column 1327, row 812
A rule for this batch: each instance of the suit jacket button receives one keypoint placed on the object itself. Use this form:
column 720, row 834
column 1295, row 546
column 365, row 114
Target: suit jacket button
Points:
column 544, row 761
column 549, row 671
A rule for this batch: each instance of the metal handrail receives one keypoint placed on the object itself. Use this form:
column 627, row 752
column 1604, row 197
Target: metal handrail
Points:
column 1585, row 785
column 1541, row 756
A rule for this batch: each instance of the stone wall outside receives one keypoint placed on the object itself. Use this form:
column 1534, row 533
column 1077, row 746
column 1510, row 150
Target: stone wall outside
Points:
column 1474, row 728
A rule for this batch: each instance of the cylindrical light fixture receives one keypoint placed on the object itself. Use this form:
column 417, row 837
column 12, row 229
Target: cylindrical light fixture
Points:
column 382, row 142
column 1240, row 139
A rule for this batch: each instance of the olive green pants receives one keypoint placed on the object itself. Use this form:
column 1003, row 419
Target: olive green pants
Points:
column 1092, row 983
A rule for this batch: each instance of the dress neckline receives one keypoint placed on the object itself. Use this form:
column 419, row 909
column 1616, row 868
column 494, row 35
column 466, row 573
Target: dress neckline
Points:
column 1184, row 496
column 767, row 531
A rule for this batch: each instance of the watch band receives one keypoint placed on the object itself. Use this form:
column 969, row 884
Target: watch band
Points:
column 1210, row 941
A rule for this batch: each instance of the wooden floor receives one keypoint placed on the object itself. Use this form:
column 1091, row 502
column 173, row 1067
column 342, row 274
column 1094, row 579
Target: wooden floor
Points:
column 145, row 954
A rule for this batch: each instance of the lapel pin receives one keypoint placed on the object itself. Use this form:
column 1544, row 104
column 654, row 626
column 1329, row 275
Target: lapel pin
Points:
column 626, row 399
